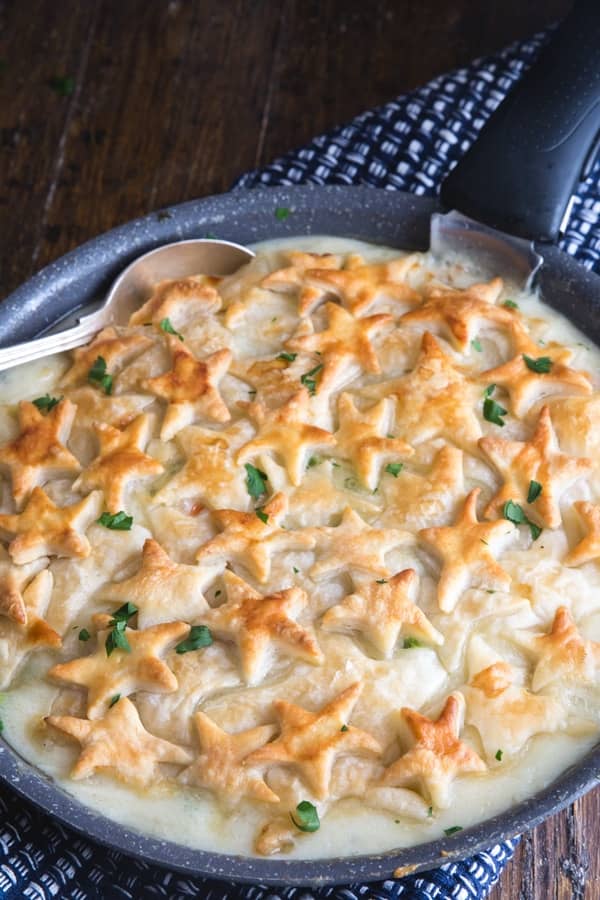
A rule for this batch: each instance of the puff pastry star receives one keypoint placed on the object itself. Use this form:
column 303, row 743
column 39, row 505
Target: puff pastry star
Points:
column 259, row 625
column 362, row 438
column 562, row 653
column 123, row 672
column 220, row 765
column 383, row 612
column 526, row 386
column 459, row 314
column 286, row 433
column 437, row 755
column 39, row 453
column 467, row 552
column 292, row 278
column 119, row 743
column 120, row 461
column 115, row 349
column 417, row 500
column 12, row 582
column 161, row 589
column 190, row 388
column 247, row 539
column 539, row 459
column 311, row 741
column 17, row 639
column 44, row 529
column 353, row 544
column 176, row 299
column 359, row 284
column 118, row 410
column 588, row 548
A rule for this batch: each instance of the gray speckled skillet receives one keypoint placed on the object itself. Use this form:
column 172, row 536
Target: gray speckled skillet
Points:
column 382, row 217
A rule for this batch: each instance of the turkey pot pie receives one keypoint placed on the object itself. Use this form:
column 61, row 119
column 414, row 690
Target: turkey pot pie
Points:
column 306, row 560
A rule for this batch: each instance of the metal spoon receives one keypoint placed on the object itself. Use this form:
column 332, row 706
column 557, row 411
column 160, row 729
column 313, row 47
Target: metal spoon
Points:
column 133, row 286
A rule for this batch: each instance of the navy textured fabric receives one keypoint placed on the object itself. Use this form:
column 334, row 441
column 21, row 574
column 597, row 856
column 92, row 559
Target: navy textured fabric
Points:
column 408, row 144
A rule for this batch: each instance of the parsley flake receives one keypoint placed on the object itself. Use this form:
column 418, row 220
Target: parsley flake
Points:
column 198, row 638
column 165, row 325
column 541, row 365
column 313, row 461
column 430, row 812
column 114, row 700
column 452, row 830
column 510, row 304
column 410, row 642
column 307, row 817
column 344, row 728
column 381, row 581
column 123, row 613
column 489, row 390
column 46, row 403
column 282, row 213
column 262, row 515
column 116, row 637
column 535, row 489
column 515, row 514
column 394, row 468
column 63, row 85
column 98, row 375
column 309, row 381
column 84, row 635
column 256, row 481
column 476, row 345
column 492, row 411
column 119, row 521
column 287, row 357
column 499, row 755
column 295, row 570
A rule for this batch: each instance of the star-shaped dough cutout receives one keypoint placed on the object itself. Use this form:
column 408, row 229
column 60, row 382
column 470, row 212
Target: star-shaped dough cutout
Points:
column 118, row 410
column 507, row 715
column 123, row 672
column 161, row 589
column 39, row 453
column 286, row 433
column 346, row 340
column 12, row 583
column 526, row 386
column 116, row 350
column 311, row 741
column 562, row 653
column 459, row 314
column 260, row 625
column 190, row 387
column 467, row 551
column 362, row 438
column 588, row 548
column 118, row 743
column 178, row 298
column 537, row 460
column 292, row 278
column 44, row 529
column 121, row 460
column 251, row 540
column 417, row 500
column 353, row 544
column 18, row 639
column 437, row 755
column 383, row 611
column 220, row 765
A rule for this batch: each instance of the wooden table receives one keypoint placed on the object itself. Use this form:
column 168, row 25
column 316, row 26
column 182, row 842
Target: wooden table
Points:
column 114, row 108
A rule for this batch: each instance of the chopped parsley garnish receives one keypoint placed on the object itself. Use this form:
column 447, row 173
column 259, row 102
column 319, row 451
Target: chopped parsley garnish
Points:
column 116, row 637
column 114, row 700
column 492, row 411
column 410, row 642
column 541, row 365
column 309, row 381
column 313, row 461
column 394, row 469
column 282, row 213
column 499, row 755
column 452, row 830
column 262, row 515
column 306, row 817
column 510, row 304
column 198, row 638
column 98, row 375
column 46, row 403
column 84, row 635
column 430, row 812
column 381, row 581
column 344, row 728
column 63, row 85
column 165, row 325
column 295, row 570
column 124, row 613
column 535, row 489
column 515, row 514
column 476, row 345
column 256, row 481
column 287, row 357
column 119, row 521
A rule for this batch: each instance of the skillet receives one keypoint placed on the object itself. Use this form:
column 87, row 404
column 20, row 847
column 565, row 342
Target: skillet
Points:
column 384, row 217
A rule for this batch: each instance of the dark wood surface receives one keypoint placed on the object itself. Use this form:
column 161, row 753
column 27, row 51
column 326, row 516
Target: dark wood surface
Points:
column 173, row 100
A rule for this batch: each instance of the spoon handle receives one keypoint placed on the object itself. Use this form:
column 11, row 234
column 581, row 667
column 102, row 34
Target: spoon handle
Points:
column 85, row 329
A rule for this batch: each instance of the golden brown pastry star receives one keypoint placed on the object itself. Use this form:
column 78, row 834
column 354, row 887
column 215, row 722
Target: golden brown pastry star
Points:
column 18, row 639
column 190, row 388
column 116, row 350
column 562, row 653
column 44, row 529
column 588, row 548
column 526, row 386
column 362, row 438
column 286, row 433
column 123, row 672
column 360, row 284
column 383, row 612
column 39, row 453
column 292, row 278
column 120, row 461
column 119, row 410
column 311, row 741
column 12, row 582
column 220, row 765
column 119, row 743
column 437, row 754
column 467, row 552
column 261, row 624
column 419, row 500
column 538, row 459
column 247, row 539
column 174, row 299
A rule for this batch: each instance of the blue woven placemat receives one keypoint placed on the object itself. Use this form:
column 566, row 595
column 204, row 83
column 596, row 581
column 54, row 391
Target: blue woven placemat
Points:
column 408, row 144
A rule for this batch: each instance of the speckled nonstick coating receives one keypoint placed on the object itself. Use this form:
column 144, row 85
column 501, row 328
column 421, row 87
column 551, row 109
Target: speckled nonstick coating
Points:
column 385, row 217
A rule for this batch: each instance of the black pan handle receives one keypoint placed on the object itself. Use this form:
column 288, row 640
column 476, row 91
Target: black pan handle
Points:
column 542, row 140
